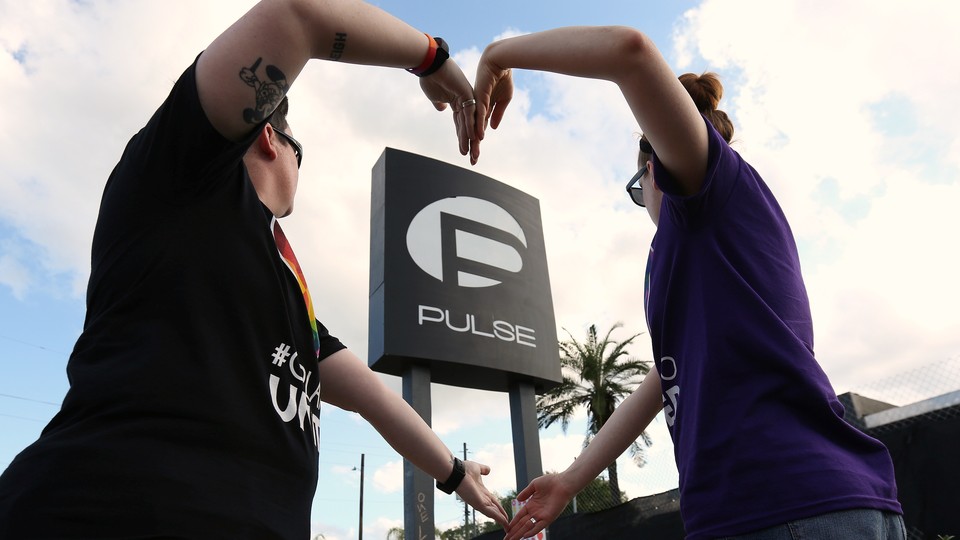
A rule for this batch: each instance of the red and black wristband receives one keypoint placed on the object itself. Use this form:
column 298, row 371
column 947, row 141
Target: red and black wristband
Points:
column 437, row 54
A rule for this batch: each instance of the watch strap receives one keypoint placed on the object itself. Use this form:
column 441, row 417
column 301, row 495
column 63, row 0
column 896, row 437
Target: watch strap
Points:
column 456, row 476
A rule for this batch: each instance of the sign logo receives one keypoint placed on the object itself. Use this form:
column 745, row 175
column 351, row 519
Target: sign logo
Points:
column 467, row 241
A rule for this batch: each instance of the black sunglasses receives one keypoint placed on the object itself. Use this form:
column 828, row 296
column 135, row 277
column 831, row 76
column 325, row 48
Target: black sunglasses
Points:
column 297, row 148
column 635, row 188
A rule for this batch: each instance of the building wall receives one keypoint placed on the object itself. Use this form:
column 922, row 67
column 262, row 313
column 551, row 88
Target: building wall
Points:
column 926, row 459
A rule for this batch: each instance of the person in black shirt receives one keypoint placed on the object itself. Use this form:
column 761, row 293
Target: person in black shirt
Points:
column 196, row 384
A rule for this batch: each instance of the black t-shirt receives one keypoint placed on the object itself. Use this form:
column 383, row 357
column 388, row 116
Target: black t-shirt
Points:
column 194, row 398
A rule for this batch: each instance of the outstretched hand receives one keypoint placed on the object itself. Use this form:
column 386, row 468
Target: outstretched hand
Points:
column 494, row 90
column 474, row 493
column 446, row 86
column 543, row 500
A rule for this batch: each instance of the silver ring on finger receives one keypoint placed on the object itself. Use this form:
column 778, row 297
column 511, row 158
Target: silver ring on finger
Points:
column 468, row 103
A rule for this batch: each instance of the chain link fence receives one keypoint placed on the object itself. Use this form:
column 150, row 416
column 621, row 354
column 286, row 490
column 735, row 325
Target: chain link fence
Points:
column 930, row 392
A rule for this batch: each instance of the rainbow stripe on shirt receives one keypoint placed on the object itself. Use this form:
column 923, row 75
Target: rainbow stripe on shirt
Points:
column 290, row 259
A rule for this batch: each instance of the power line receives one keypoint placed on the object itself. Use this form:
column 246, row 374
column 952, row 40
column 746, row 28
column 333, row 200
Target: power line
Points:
column 34, row 345
column 11, row 396
column 23, row 418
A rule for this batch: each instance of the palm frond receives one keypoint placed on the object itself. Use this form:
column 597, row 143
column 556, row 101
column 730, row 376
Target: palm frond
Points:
column 597, row 375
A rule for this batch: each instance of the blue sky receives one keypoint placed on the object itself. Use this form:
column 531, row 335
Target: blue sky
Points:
column 846, row 107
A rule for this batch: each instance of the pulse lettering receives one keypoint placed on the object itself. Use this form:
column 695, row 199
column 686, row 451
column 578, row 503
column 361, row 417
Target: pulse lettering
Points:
column 498, row 329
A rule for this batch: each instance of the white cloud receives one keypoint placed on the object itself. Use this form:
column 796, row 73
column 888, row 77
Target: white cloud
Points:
column 345, row 118
column 380, row 527
column 812, row 90
column 389, row 478
column 844, row 108
column 79, row 92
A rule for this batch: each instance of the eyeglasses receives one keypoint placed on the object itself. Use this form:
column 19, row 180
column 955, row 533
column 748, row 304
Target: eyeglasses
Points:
column 635, row 188
column 297, row 148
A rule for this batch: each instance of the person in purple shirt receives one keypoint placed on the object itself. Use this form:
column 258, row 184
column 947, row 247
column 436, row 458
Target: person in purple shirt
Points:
column 761, row 446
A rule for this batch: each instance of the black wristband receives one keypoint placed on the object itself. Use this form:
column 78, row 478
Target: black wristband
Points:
column 443, row 52
column 453, row 481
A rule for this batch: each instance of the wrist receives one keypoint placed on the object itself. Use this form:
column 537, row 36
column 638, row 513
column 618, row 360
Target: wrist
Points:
column 456, row 477
column 494, row 52
column 437, row 53
column 574, row 478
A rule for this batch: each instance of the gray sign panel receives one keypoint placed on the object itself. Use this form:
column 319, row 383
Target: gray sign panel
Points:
column 458, row 277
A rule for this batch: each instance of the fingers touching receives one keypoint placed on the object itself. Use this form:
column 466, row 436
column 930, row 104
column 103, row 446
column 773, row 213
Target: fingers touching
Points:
column 478, row 496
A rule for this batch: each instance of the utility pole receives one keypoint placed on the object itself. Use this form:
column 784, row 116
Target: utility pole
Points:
column 466, row 509
column 360, row 529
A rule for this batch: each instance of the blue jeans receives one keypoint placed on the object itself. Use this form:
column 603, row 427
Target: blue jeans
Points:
column 844, row 525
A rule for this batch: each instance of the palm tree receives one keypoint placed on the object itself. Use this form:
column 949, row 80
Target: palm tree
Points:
column 597, row 375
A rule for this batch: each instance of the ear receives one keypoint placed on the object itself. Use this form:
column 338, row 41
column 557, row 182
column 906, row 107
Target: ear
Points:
column 266, row 142
column 649, row 166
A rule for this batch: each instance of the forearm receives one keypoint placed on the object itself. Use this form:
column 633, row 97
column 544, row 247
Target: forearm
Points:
column 351, row 385
column 662, row 107
column 625, row 426
column 252, row 64
column 355, row 32
column 409, row 435
column 598, row 52
column 354, row 387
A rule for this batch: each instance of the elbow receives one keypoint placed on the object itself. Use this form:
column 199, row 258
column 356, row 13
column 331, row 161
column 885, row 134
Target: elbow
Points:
column 632, row 49
column 339, row 403
column 630, row 41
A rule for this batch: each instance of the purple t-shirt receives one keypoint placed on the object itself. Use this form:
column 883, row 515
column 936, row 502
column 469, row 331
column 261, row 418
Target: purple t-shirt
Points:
column 758, row 431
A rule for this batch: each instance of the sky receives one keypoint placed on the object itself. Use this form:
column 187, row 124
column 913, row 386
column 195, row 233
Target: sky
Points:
column 847, row 108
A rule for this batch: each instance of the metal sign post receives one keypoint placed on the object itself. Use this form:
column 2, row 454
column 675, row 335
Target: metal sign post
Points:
column 459, row 295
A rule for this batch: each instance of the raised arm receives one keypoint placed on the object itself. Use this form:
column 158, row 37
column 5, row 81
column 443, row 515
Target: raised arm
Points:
column 246, row 71
column 627, row 57
column 355, row 387
column 547, row 495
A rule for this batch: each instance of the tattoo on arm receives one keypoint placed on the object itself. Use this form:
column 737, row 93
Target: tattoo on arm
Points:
column 339, row 44
column 268, row 94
